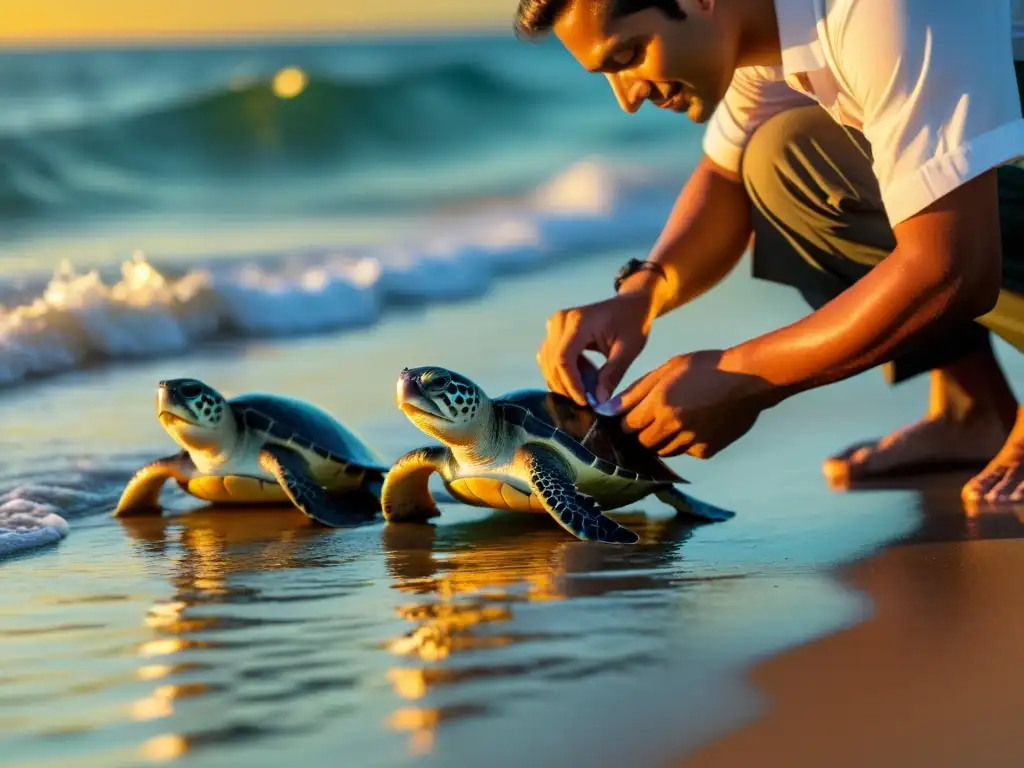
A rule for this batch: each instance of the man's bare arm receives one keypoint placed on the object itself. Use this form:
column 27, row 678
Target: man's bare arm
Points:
column 946, row 269
column 704, row 238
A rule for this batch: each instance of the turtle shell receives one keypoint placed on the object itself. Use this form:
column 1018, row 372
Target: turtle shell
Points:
column 594, row 439
column 304, row 425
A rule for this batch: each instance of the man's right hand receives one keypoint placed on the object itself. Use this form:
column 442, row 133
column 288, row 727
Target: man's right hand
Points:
column 616, row 328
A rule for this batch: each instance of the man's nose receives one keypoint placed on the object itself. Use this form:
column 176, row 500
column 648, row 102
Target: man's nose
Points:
column 629, row 92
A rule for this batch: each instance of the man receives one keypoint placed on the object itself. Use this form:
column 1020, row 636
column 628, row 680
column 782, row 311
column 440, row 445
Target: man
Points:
column 867, row 147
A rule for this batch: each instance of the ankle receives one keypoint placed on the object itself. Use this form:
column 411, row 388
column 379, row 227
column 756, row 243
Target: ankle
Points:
column 973, row 390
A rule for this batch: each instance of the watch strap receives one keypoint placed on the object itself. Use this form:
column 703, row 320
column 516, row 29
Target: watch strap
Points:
column 633, row 266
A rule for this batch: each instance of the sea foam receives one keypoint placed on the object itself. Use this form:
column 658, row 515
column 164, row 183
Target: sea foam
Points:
column 26, row 524
column 149, row 310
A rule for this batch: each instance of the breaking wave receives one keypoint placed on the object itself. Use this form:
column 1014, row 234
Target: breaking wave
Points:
column 146, row 310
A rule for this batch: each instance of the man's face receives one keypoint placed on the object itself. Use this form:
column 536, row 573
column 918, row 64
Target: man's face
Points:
column 684, row 65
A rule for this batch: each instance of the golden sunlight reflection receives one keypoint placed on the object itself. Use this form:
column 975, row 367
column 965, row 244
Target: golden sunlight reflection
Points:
column 161, row 702
column 289, row 82
column 447, row 628
column 163, row 748
column 468, row 580
column 151, row 708
column 410, row 684
column 165, row 647
column 207, row 548
column 421, row 722
column 154, row 671
column 163, row 615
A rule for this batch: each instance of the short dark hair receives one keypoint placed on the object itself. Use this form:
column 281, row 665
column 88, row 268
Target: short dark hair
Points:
column 535, row 18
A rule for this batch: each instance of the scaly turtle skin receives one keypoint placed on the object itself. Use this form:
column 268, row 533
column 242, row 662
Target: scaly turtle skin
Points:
column 528, row 451
column 257, row 449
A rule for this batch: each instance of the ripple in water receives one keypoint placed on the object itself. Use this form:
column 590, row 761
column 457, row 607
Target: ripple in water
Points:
column 240, row 633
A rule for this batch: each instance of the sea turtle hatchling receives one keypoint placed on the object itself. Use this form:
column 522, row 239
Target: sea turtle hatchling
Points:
column 530, row 450
column 258, row 449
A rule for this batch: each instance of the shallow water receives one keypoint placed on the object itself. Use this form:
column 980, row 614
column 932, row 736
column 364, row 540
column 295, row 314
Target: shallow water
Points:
column 250, row 637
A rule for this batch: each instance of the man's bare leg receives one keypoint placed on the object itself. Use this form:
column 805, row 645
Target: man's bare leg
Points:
column 819, row 226
column 971, row 413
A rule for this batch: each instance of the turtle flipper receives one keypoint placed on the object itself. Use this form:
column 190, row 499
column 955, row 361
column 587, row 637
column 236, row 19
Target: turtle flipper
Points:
column 406, row 496
column 293, row 475
column 685, row 504
column 141, row 495
column 575, row 511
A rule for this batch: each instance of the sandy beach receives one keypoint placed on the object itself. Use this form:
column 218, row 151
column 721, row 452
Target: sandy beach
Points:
column 930, row 678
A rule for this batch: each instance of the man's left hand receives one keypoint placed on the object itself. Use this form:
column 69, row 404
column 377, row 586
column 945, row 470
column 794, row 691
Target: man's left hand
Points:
column 690, row 405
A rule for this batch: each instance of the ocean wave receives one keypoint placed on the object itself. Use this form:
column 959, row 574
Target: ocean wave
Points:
column 246, row 126
column 81, row 318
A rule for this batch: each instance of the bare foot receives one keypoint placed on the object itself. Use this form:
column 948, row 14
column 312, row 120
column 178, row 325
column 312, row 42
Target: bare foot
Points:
column 971, row 411
column 1003, row 479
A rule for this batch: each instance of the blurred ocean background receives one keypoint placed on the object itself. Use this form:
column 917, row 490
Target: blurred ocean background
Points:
column 351, row 177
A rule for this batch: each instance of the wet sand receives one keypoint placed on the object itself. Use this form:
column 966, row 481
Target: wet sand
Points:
column 932, row 678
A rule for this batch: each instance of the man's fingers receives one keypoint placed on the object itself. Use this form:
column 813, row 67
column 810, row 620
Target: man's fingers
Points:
column 569, row 372
column 637, row 391
column 701, row 450
column 640, row 417
column 588, row 374
column 561, row 352
column 608, row 378
column 542, row 363
column 679, row 443
column 653, row 436
column 549, row 371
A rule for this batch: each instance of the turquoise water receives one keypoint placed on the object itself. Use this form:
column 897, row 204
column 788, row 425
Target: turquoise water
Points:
column 155, row 200
column 378, row 126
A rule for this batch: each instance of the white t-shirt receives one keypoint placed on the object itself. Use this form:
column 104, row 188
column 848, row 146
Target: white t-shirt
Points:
column 930, row 83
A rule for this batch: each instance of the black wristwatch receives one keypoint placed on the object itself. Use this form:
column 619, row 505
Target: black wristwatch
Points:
column 633, row 266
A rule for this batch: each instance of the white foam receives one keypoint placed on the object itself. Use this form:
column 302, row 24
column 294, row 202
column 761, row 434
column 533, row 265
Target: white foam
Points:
column 35, row 512
column 588, row 187
column 147, row 312
column 26, row 524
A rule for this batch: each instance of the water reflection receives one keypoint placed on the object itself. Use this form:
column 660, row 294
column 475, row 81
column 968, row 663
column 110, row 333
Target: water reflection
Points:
column 210, row 552
column 943, row 516
column 470, row 583
column 238, row 651
column 528, row 554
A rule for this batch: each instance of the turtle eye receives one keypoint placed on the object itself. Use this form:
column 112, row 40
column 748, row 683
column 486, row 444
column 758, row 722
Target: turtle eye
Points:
column 191, row 390
column 436, row 382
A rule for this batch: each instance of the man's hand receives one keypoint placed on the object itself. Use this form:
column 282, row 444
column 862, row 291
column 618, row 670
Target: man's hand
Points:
column 690, row 405
column 696, row 252
column 617, row 328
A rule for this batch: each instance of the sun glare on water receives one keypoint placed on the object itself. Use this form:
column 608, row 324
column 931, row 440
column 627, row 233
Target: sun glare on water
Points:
column 289, row 82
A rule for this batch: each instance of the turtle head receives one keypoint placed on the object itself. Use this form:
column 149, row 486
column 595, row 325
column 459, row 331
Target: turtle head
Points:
column 194, row 414
column 443, row 404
